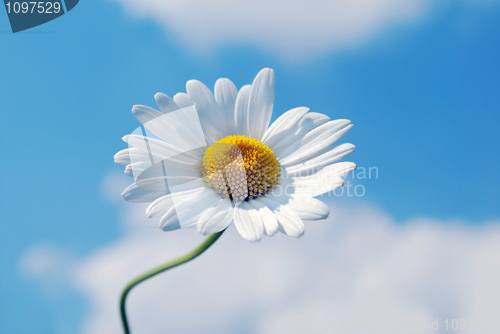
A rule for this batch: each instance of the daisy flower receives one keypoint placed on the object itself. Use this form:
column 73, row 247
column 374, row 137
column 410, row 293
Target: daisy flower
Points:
column 209, row 159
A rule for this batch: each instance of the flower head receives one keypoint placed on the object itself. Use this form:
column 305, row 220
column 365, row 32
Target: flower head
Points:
column 208, row 160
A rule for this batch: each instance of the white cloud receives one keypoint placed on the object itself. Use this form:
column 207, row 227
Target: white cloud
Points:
column 357, row 265
column 293, row 29
column 50, row 267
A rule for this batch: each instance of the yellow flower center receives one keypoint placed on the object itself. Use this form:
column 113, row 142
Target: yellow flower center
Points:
column 240, row 167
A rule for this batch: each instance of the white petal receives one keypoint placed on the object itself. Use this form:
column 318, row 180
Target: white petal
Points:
column 145, row 114
column 209, row 111
column 289, row 221
column 282, row 125
column 181, row 128
column 122, row 157
column 308, row 208
column 188, row 165
column 126, row 156
column 173, row 172
column 182, row 165
column 187, row 209
column 137, row 168
column 128, row 171
column 169, row 221
column 291, row 140
column 133, row 155
column 225, row 94
column 187, row 159
column 260, row 107
column 334, row 154
column 248, row 222
column 162, row 183
column 315, row 141
column 161, row 205
column 241, row 110
column 182, row 100
column 165, row 103
column 136, row 194
column 159, row 148
column 178, row 182
column 216, row 219
column 268, row 219
column 327, row 179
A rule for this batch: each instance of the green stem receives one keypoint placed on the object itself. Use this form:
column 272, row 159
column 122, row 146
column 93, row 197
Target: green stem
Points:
column 174, row 263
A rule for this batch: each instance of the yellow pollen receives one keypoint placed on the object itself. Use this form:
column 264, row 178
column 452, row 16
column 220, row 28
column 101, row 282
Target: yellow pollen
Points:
column 240, row 167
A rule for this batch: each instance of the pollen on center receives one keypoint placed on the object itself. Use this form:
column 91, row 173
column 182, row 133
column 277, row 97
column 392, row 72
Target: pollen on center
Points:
column 240, row 168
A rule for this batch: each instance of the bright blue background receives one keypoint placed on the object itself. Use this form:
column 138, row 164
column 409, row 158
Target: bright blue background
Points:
column 424, row 100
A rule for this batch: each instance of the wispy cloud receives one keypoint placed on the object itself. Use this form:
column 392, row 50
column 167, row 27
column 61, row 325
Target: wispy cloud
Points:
column 292, row 29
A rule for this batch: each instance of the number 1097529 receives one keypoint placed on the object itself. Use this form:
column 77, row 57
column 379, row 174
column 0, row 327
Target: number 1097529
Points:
column 33, row 7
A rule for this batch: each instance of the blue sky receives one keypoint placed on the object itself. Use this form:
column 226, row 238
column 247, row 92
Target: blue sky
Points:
column 424, row 98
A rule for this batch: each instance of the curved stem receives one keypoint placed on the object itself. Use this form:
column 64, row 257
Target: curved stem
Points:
column 174, row 263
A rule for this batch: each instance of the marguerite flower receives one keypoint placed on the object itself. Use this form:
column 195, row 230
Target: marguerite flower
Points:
column 208, row 160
